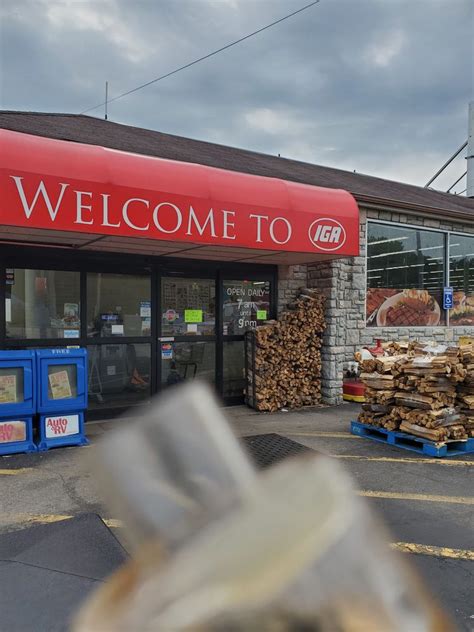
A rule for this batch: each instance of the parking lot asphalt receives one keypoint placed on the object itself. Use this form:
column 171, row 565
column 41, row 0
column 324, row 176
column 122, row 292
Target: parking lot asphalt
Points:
column 427, row 504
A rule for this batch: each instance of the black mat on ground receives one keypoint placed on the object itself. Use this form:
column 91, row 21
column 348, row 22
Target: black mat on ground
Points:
column 267, row 449
column 47, row 570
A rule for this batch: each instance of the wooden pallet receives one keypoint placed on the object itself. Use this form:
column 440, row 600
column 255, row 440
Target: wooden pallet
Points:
column 410, row 442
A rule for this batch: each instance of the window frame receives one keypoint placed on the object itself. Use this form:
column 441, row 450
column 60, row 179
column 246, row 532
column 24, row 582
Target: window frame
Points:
column 448, row 234
column 85, row 261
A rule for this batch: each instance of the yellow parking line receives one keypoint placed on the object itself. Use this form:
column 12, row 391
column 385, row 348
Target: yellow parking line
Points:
column 113, row 523
column 392, row 459
column 436, row 551
column 320, row 433
column 20, row 470
column 404, row 547
column 458, row 500
column 30, row 519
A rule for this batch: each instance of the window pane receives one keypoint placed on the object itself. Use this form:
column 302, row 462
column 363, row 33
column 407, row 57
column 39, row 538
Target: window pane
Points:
column 234, row 368
column 11, row 385
column 119, row 375
column 246, row 303
column 118, row 305
column 42, row 304
column 405, row 276
column 461, row 263
column 188, row 307
column 182, row 361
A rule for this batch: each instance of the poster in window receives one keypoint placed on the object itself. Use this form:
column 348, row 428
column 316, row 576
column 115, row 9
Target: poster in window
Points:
column 7, row 389
column 463, row 310
column 388, row 307
column 60, row 385
column 71, row 314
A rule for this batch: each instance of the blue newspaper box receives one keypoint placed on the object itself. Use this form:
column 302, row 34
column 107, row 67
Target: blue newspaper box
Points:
column 17, row 384
column 62, row 397
column 61, row 429
column 16, row 435
column 62, row 380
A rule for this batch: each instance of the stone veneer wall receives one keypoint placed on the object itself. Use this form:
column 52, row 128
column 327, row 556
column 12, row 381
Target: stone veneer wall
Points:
column 344, row 283
column 290, row 280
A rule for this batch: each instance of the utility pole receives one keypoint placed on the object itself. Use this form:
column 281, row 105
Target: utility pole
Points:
column 470, row 153
column 106, row 97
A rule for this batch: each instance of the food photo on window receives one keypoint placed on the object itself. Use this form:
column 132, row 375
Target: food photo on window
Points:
column 405, row 277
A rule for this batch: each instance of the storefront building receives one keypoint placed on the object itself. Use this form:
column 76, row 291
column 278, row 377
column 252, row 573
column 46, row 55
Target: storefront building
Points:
column 157, row 253
column 158, row 267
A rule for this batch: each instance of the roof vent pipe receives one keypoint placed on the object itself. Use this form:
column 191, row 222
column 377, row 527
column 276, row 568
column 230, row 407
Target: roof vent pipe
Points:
column 470, row 153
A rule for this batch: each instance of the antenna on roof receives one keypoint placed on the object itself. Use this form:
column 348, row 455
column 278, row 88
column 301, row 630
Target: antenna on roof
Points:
column 106, row 97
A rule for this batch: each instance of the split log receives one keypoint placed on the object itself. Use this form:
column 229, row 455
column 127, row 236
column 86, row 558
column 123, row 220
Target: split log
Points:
column 441, row 434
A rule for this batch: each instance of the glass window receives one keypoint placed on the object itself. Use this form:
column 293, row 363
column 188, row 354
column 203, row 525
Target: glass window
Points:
column 246, row 303
column 182, row 361
column 234, row 369
column 405, row 276
column 118, row 305
column 119, row 375
column 188, row 306
column 42, row 303
column 461, row 270
column 11, row 385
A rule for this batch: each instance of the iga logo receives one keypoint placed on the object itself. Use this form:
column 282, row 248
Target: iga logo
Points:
column 327, row 234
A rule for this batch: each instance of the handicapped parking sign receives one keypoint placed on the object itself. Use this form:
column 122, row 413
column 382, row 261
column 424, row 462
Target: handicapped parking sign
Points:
column 448, row 298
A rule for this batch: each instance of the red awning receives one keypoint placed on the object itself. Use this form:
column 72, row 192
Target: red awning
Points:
column 83, row 196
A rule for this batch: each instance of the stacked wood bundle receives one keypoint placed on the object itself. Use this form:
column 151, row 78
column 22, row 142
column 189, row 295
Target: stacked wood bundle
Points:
column 428, row 387
column 380, row 389
column 395, row 348
column 465, row 389
column 287, row 357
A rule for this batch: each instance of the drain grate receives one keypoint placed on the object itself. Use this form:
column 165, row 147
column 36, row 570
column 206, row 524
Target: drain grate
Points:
column 268, row 449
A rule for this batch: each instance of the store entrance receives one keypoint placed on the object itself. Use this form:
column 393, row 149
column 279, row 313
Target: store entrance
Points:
column 147, row 324
column 187, row 330
column 245, row 304
column 202, row 322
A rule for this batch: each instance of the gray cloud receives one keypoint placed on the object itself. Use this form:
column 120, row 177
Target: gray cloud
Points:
column 380, row 86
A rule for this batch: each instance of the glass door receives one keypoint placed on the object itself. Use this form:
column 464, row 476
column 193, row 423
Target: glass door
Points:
column 245, row 304
column 187, row 338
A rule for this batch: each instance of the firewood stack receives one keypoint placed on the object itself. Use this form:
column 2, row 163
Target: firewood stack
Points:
column 466, row 388
column 424, row 394
column 380, row 387
column 287, row 357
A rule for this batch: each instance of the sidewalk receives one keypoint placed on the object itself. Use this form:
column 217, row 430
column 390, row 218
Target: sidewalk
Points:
column 246, row 421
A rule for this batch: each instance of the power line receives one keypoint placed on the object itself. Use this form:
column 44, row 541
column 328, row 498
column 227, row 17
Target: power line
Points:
column 458, row 180
column 446, row 164
column 196, row 61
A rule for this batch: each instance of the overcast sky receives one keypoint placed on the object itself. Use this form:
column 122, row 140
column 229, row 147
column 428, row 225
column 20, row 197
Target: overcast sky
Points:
column 379, row 86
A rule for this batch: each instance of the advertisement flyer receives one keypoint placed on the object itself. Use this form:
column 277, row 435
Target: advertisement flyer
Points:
column 11, row 431
column 145, row 309
column 7, row 389
column 193, row 315
column 60, row 386
column 167, row 351
column 388, row 307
